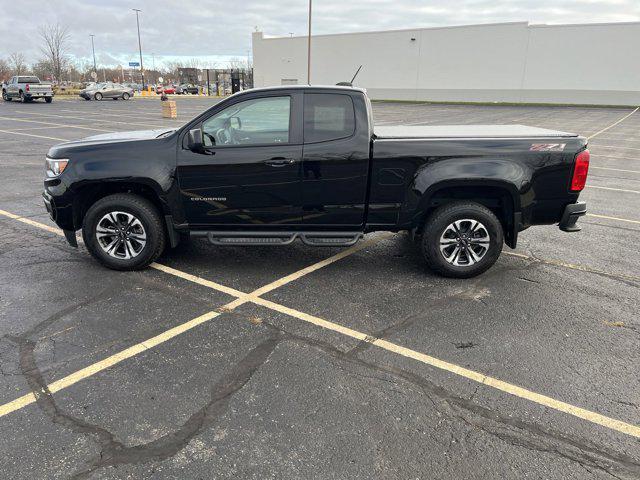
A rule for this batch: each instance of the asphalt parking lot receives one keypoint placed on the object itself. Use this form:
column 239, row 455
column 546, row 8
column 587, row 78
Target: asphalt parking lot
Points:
column 302, row 362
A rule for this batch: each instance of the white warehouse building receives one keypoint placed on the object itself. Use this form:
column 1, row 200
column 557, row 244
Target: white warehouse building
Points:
column 507, row 62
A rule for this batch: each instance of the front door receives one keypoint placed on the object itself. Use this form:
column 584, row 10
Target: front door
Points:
column 249, row 173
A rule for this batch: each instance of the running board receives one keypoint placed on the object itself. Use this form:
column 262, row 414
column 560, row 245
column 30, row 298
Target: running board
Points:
column 313, row 239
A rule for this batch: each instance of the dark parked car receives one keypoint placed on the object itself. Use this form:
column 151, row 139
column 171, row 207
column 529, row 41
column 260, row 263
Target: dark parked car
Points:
column 268, row 166
column 187, row 88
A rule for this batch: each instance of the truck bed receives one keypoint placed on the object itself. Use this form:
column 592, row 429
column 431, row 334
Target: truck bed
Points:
column 465, row 131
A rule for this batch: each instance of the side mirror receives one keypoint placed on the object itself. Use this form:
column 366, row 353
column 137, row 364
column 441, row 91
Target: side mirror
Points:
column 194, row 141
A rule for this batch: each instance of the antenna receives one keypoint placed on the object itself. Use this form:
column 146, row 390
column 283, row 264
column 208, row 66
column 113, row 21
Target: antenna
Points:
column 355, row 74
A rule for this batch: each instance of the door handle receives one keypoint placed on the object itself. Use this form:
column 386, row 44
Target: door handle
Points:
column 279, row 161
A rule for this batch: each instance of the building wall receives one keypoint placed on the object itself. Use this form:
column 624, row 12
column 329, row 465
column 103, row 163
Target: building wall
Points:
column 507, row 62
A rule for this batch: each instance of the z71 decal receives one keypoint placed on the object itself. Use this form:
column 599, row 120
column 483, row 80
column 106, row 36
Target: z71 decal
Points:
column 547, row 147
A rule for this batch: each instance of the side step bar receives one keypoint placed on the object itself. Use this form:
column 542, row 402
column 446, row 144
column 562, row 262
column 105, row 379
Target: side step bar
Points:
column 313, row 239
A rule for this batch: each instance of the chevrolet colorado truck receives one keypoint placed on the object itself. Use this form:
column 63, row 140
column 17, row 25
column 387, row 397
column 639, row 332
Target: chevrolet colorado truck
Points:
column 269, row 166
column 26, row 88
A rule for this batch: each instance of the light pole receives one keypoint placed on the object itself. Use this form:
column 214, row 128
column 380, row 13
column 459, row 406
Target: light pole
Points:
column 139, row 44
column 309, row 48
column 93, row 49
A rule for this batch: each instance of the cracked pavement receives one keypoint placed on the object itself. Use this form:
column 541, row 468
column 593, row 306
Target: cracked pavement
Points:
column 258, row 394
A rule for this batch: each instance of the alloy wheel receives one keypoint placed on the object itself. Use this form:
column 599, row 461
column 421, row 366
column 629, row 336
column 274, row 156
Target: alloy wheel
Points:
column 464, row 242
column 121, row 235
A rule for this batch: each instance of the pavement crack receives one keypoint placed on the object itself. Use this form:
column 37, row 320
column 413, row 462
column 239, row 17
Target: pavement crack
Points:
column 114, row 453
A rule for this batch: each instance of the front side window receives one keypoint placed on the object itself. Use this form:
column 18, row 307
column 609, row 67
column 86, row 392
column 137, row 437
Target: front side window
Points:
column 252, row 122
column 328, row 116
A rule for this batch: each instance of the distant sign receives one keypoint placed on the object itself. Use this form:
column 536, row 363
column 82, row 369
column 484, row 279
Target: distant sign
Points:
column 134, row 64
column 94, row 75
column 160, row 79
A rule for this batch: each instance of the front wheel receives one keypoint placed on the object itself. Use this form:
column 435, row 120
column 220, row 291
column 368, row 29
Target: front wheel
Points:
column 461, row 239
column 5, row 96
column 125, row 96
column 124, row 232
column 48, row 99
column 98, row 96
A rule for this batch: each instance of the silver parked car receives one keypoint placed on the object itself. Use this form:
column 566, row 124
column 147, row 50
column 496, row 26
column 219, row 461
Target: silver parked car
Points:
column 99, row 91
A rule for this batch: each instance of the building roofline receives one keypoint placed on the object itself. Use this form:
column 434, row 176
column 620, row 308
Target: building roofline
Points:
column 417, row 29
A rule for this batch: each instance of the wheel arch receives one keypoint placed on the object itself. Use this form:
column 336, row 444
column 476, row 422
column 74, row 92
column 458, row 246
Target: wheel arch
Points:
column 89, row 193
column 502, row 198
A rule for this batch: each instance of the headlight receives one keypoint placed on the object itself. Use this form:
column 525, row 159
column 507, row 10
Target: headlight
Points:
column 55, row 166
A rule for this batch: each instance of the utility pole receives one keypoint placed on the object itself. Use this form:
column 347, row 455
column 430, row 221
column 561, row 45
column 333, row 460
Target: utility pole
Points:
column 139, row 44
column 153, row 66
column 93, row 49
column 309, row 48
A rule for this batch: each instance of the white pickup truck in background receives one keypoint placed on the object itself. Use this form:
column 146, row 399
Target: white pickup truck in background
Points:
column 26, row 88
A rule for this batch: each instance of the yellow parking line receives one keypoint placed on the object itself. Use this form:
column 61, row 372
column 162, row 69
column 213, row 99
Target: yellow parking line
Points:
column 614, row 189
column 515, row 390
column 613, row 218
column 613, row 124
column 56, row 124
column 36, row 136
column 105, row 363
column 571, row 266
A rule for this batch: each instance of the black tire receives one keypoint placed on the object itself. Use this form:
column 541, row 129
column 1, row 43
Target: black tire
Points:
column 439, row 223
column 48, row 99
column 143, row 210
column 5, row 96
column 115, row 98
column 126, row 96
column 98, row 96
column 23, row 99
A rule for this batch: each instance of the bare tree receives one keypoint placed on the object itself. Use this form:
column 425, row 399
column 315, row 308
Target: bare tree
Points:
column 237, row 63
column 55, row 38
column 17, row 63
column 5, row 70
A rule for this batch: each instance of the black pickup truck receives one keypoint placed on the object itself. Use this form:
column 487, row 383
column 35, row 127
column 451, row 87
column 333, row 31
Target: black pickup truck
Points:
column 268, row 166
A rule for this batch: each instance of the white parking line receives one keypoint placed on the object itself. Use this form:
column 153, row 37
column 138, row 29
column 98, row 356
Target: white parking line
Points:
column 33, row 135
column 615, row 147
column 24, row 120
column 500, row 385
column 614, row 169
column 95, row 120
column 614, row 189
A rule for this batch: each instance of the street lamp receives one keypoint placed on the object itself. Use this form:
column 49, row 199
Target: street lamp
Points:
column 309, row 48
column 139, row 44
column 93, row 49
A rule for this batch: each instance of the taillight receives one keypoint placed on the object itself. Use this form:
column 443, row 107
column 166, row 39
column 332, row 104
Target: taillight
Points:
column 580, row 170
column 27, row 87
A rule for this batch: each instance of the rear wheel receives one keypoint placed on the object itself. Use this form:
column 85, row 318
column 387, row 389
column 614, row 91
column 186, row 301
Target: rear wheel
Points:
column 124, row 232
column 48, row 99
column 462, row 239
column 98, row 96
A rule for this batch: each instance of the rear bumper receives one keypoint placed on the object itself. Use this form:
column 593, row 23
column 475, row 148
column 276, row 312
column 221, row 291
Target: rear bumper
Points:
column 572, row 213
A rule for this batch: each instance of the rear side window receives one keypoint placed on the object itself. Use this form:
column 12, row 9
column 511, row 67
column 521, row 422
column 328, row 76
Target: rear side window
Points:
column 28, row 80
column 328, row 116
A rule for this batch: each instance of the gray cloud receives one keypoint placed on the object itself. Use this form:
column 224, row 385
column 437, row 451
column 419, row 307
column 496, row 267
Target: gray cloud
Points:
column 215, row 28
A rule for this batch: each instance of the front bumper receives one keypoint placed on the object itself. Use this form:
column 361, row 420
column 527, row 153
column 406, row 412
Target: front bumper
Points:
column 572, row 213
column 62, row 216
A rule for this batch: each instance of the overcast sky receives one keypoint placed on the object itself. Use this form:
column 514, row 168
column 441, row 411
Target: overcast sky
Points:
column 217, row 30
